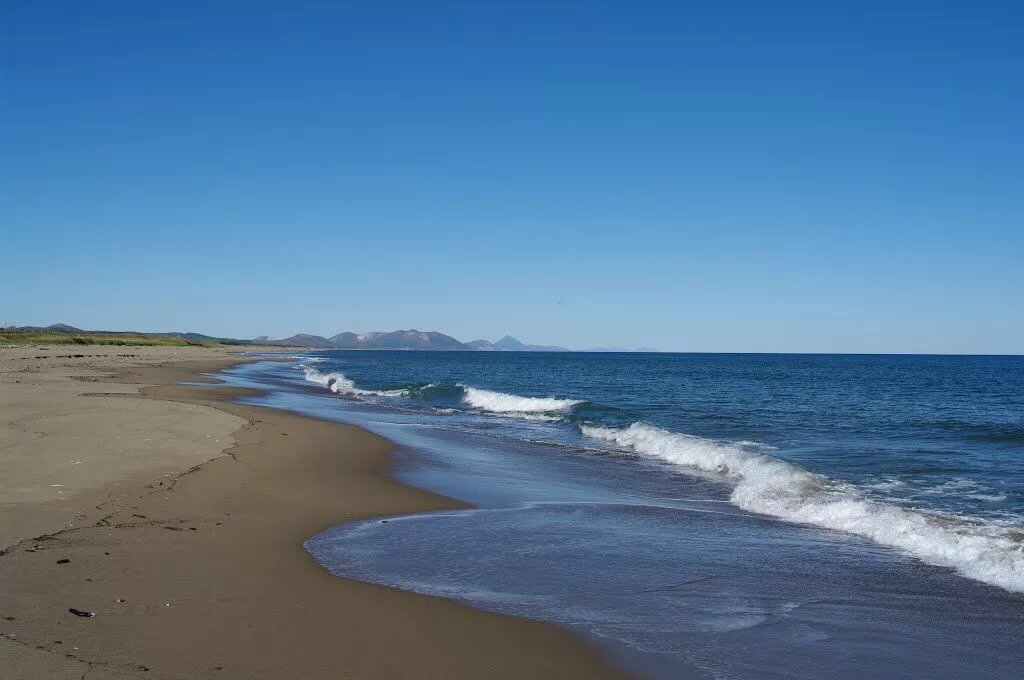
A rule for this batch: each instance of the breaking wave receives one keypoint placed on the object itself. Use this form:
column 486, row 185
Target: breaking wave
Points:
column 530, row 408
column 499, row 402
column 339, row 383
column 770, row 486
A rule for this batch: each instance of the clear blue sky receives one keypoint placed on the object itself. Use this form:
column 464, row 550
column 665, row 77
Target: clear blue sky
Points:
column 712, row 176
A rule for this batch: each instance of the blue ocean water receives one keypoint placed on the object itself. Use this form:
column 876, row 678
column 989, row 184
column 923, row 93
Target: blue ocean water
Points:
column 723, row 516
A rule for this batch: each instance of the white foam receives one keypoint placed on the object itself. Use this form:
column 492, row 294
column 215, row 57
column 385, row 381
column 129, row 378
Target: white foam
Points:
column 339, row 383
column 499, row 402
column 767, row 485
column 335, row 382
column 885, row 484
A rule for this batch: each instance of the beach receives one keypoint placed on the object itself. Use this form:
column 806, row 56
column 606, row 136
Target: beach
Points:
column 172, row 520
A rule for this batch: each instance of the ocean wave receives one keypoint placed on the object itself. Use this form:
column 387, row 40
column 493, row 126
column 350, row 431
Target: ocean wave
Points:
column 767, row 485
column 339, row 383
column 512, row 405
column 987, row 497
column 335, row 382
column 499, row 402
column 434, row 391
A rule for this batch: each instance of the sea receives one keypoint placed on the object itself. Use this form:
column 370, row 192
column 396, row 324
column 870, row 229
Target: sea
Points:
column 700, row 515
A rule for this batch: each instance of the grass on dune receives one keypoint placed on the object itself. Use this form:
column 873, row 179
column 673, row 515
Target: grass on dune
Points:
column 9, row 337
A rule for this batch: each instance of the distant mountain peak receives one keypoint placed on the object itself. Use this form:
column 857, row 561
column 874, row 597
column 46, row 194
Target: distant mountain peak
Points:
column 305, row 340
column 509, row 343
column 63, row 328
column 482, row 346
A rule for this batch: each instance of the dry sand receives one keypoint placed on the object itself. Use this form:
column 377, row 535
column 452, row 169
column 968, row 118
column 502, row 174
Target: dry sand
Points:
column 182, row 517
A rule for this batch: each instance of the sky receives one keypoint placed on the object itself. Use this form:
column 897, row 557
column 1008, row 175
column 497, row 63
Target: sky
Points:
column 692, row 176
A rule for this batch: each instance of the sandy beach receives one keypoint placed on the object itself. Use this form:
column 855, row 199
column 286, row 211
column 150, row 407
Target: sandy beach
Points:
column 173, row 519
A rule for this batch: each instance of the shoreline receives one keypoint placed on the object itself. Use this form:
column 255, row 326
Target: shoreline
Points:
column 212, row 558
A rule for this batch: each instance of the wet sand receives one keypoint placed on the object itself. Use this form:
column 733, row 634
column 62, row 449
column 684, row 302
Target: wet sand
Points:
column 199, row 571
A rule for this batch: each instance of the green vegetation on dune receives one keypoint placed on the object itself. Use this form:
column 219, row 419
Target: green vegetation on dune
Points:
column 11, row 336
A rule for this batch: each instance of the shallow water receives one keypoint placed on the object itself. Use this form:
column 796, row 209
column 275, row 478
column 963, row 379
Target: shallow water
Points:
column 725, row 516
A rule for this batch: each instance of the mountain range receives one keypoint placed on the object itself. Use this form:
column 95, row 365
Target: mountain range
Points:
column 410, row 339
column 510, row 344
column 402, row 339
